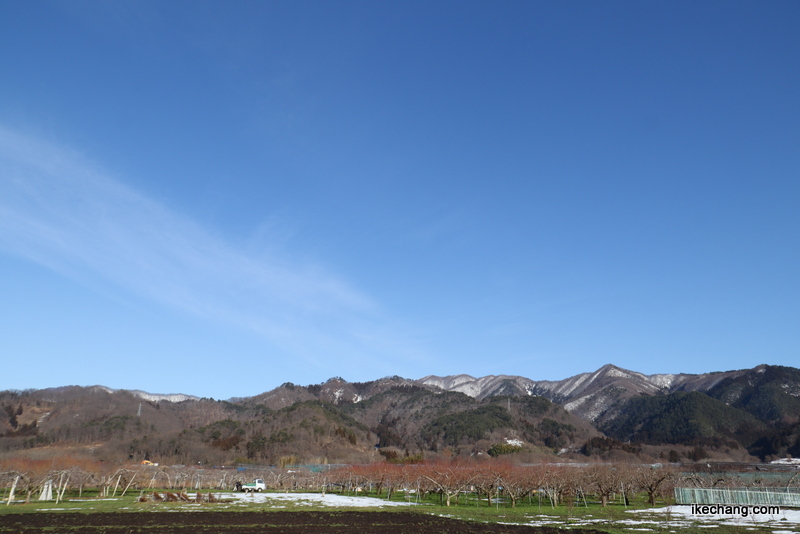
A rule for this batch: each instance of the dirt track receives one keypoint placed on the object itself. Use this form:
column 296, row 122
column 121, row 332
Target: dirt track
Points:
column 255, row 523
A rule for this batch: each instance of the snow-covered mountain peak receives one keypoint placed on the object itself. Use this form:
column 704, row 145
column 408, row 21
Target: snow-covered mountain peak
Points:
column 590, row 395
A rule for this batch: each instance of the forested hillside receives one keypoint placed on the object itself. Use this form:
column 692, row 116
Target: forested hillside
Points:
column 687, row 418
column 725, row 415
column 758, row 410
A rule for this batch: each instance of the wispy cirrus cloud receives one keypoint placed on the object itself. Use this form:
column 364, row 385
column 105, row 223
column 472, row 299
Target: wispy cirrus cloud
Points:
column 63, row 211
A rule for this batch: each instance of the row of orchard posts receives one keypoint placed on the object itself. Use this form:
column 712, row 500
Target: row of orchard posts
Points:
column 53, row 484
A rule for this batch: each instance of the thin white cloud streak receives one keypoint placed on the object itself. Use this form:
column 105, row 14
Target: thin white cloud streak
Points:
column 62, row 211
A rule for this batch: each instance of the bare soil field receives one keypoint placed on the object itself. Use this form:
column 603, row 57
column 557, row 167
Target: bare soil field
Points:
column 257, row 523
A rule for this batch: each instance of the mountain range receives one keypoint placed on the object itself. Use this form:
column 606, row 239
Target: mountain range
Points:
column 611, row 412
column 588, row 395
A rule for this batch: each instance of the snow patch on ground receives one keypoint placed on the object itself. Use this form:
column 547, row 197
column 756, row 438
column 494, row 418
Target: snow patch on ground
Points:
column 675, row 518
column 274, row 500
column 786, row 461
column 786, row 518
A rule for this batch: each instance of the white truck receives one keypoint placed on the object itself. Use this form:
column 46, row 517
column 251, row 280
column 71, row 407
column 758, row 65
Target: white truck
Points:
column 257, row 485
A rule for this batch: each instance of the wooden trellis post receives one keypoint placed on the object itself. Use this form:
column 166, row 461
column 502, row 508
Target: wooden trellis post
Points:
column 13, row 488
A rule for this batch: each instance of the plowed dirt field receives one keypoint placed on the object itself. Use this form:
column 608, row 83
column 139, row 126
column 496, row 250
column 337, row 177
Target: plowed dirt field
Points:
column 255, row 523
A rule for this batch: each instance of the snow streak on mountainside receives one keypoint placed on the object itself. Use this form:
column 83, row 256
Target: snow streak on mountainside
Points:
column 152, row 397
column 158, row 397
column 591, row 396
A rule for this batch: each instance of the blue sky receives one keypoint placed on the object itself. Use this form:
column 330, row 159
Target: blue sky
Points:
column 218, row 197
